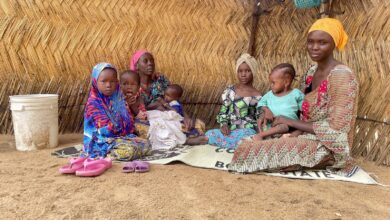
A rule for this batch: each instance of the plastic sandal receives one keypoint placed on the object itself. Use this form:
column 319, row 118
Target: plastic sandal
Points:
column 94, row 167
column 74, row 165
column 129, row 167
column 141, row 166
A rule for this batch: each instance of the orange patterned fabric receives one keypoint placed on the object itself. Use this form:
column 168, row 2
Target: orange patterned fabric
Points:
column 332, row 109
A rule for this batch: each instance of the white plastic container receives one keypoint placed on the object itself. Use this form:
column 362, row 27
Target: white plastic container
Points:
column 35, row 121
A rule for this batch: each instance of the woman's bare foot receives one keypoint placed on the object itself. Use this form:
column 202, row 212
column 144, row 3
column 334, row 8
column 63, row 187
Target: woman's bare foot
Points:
column 257, row 137
column 197, row 140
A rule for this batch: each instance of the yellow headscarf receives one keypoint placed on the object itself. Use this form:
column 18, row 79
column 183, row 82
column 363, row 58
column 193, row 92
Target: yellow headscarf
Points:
column 248, row 59
column 334, row 28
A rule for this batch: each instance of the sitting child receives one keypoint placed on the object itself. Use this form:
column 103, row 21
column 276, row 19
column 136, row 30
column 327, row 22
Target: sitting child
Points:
column 108, row 126
column 130, row 85
column 282, row 100
column 172, row 95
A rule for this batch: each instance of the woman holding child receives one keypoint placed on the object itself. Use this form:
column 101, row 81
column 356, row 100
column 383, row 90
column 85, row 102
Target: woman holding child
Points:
column 325, row 131
column 152, row 87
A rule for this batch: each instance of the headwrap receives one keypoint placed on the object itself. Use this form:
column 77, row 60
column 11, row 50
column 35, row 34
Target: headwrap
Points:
column 135, row 58
column 248, row 59
column 334, row 28
column 104, row 117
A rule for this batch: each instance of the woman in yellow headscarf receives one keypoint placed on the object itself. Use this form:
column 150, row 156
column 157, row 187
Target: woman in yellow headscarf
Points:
column 327, row 119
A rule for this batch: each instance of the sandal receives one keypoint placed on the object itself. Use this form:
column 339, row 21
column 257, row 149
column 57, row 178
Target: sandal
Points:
column 141, row 166
column 94, row 167
column 129, row 167
column 74, row 165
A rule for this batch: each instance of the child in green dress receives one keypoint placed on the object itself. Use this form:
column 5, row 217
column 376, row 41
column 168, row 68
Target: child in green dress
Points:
column 281, row 100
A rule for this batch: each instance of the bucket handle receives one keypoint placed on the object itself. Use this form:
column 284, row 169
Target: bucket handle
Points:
column 22, row 107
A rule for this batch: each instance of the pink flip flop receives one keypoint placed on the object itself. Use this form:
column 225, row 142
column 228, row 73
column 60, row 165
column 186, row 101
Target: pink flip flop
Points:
column 74, row 165
column 94, row 167
column 141, row 166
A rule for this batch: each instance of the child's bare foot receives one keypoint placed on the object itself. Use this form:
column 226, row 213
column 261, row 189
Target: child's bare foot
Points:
column 197, row 140
column 257, row 137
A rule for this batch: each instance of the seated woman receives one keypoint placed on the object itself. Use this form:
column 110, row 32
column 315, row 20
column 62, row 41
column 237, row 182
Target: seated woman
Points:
column 237, row 117
column 328, row 114
column 108, row 126
column 152, row 84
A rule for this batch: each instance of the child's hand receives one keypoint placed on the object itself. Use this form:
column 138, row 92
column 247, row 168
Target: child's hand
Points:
column 130, row 99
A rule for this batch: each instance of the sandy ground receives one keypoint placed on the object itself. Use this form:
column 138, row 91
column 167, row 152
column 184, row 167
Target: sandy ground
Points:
column 32, row 188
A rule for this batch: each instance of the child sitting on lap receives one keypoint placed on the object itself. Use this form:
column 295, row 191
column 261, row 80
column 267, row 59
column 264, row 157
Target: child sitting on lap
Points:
column 282, row 100
column 172, row 95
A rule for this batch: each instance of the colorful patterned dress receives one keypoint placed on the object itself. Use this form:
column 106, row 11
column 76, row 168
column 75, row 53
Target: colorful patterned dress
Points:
column 332, row 109
column 159, row 84
column 108, row 124
column 239, row 113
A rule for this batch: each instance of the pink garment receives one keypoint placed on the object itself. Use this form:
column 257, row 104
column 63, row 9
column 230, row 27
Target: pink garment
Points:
column 134, row 59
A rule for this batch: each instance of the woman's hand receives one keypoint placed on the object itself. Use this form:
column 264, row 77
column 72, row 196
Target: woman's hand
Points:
column 225, row 130
column 268, row 116
column 260, row 123
column 188, row 123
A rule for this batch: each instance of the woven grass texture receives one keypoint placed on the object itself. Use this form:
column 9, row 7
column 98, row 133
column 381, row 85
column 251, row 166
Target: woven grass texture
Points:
column 51, row 47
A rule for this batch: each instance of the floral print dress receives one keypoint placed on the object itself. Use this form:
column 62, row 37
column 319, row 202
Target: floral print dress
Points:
column 239, row 113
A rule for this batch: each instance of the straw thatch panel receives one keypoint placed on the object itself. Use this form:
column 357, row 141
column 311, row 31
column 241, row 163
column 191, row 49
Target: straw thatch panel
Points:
column 51, row 46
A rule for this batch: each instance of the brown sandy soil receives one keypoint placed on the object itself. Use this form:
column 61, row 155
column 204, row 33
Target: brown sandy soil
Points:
column 32, row 188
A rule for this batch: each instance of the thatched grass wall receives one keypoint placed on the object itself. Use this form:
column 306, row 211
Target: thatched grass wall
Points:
column 51, row 46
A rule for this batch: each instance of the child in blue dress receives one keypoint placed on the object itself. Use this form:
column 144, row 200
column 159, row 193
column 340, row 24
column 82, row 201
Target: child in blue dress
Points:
column 281, row 100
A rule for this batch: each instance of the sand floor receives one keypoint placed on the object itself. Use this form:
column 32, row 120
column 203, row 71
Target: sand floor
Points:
column 32, row 188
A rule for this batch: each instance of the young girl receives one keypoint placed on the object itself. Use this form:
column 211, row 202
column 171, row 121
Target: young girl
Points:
column 108, row 126
column 130, row 85
column 282, row 100
column 237, row 117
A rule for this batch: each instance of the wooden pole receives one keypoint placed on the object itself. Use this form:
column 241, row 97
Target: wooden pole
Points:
column 325, row 8
column 255, row 20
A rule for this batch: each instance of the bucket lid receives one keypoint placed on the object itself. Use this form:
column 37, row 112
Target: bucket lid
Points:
column 33, row 97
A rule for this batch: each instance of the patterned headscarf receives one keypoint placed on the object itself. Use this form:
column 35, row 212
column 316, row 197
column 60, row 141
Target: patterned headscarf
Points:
column 135, row 58
column 104, row 116
column 248, row 59
column 334, row 28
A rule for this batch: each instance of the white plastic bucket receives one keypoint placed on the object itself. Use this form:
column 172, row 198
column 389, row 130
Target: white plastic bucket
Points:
column 35, row 121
